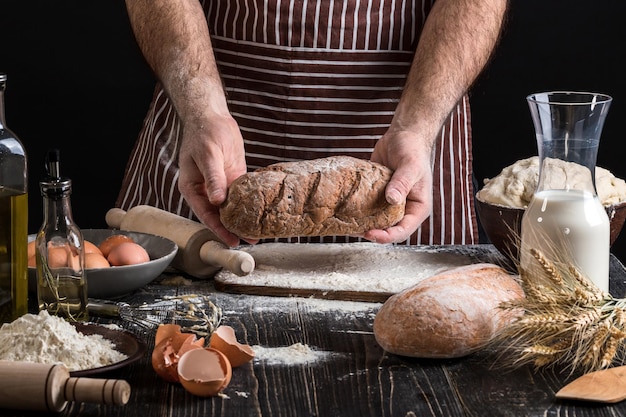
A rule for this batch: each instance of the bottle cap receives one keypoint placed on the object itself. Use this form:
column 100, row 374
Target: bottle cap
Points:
column 54, row 185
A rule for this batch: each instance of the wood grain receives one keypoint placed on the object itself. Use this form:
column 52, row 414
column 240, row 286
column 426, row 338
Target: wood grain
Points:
column 355, row 378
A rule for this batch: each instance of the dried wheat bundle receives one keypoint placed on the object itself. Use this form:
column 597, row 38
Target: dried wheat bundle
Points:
column 567, row 321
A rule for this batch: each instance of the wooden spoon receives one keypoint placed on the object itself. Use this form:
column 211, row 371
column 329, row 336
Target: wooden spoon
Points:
column 604, row 386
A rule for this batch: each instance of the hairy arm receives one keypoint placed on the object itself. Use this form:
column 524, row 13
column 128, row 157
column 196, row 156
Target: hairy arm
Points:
column 174, row 38
column 456, row 43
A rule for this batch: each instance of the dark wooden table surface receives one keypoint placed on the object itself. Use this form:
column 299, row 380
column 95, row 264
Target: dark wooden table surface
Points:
column 352, row 375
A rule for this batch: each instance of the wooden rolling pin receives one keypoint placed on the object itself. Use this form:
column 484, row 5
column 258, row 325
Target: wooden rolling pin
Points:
column 200, row 253
column 45, row 387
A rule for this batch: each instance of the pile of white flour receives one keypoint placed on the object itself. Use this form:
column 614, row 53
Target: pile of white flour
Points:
column 295, row 354
column 43, row 338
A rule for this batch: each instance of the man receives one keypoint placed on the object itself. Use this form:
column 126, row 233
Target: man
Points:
column 275, row 80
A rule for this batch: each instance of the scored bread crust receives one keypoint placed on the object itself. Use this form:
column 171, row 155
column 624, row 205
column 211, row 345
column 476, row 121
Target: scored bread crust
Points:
column 337, row 195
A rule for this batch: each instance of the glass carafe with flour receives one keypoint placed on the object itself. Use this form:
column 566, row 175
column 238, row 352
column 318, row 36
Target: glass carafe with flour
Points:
column 565, row 220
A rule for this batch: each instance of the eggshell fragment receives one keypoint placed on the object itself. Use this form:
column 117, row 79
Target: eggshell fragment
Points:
column 112, row 241
column 127, row 253
column 204, row 372
column 165, row 331
column 170, row 345
column 224, row 340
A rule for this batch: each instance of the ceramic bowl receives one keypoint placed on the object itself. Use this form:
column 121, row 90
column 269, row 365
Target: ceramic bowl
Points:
column 503, row 225
column 117, row 281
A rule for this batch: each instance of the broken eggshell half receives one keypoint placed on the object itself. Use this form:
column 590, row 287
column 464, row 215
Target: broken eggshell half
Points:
column 204, row 372
column 224, row 340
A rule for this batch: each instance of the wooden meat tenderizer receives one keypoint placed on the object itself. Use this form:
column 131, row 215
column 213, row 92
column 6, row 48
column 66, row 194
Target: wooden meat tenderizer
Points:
column 45, row 387
column 200, row 253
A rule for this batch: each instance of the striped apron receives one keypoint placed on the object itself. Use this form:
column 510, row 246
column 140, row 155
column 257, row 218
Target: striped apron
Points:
column 308, row 79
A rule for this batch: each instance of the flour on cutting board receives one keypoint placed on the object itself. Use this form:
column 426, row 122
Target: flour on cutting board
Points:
column 362, row 267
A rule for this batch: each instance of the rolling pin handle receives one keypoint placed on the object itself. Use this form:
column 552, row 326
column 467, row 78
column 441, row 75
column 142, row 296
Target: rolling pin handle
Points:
column 45, row 387
column 114, row 217
column 216, row 253
column 97, row 391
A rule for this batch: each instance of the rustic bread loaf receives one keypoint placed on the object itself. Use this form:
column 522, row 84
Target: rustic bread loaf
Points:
column 448, row 315
column 338, row 195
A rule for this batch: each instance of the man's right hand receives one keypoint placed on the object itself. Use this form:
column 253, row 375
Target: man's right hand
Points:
column 211, row 157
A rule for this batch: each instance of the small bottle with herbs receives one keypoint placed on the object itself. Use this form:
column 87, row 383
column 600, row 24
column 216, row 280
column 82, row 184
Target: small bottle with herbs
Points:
column 59, row 248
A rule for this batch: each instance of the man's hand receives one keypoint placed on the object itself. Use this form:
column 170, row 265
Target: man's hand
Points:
column 211, row 158
column 411, row 181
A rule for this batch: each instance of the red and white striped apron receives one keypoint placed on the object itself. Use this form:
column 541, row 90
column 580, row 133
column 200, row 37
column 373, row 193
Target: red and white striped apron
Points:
column 307, row 79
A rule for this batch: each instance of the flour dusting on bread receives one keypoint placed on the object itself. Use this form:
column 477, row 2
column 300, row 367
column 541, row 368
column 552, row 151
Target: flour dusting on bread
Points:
column 338, row 195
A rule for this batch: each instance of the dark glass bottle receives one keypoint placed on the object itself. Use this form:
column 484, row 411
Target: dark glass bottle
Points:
column 13, row 221
column 61, row 282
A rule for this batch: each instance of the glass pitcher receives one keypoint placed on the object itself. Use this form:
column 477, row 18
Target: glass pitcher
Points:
column 565, row 220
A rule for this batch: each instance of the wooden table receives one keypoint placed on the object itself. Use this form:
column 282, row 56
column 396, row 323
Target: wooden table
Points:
column 352, row 377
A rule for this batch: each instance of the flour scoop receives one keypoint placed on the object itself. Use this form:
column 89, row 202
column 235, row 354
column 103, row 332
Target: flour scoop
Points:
column 604, row 386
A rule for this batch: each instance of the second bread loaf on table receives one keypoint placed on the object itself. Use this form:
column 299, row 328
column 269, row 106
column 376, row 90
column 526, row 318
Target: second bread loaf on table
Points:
column 338, row 195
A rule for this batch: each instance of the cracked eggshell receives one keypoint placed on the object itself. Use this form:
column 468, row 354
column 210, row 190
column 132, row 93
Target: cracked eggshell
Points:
column 224, row 340
column 204, row 372
column 170, row 345
column 166, row 330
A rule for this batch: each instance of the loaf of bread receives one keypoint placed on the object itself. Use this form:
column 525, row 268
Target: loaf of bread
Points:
column 448, row 315
column 338, row 195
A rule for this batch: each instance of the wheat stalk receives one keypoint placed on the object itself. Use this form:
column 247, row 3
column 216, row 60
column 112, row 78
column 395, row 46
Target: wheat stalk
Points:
column 567, row 321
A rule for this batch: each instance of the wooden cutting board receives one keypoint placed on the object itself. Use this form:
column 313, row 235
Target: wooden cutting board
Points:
column 364, row 271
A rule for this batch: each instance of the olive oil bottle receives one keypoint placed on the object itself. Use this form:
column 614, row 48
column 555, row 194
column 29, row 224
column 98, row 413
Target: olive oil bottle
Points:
column 13, row 221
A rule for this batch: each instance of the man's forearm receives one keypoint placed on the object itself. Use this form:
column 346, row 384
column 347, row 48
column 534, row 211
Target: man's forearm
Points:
column 174, row 39
column 456, row 43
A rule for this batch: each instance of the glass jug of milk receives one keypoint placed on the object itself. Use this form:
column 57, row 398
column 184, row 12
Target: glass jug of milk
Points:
column 565, row 219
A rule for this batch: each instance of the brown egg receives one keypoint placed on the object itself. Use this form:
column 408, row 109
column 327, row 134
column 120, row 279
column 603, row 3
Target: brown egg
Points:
column 57, row 257
column 110, row 242
column 32, row 262
column 91, row 248
column 224, row 340
column 73, row 260
column 31, row 249
column 127, row 253
column 95, row 260
column 204, row 372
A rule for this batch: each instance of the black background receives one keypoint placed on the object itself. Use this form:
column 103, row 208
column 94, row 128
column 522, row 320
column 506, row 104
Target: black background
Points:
column 78, row 82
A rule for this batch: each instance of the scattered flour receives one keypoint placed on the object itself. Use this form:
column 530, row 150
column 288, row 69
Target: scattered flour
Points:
column 296, row 354
column 313, row 305
column 43, row 338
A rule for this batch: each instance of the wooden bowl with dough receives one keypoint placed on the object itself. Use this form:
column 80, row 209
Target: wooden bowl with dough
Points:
column 502, row 225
